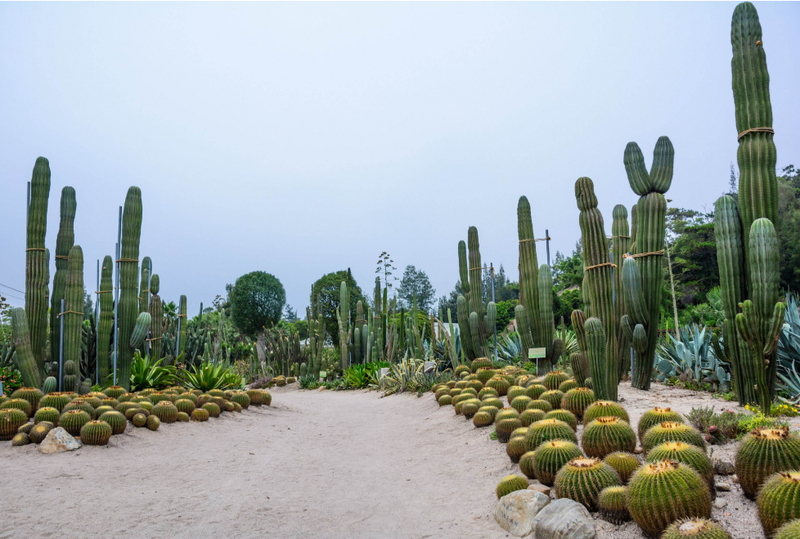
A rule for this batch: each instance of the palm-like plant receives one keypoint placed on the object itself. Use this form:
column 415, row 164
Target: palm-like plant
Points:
column 151, row 374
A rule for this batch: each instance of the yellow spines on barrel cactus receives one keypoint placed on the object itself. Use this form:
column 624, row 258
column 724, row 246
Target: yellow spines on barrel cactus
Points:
column 20, row 404
column 553, row 397
column 470, row 408
column 184, row 405
column 73, row 421
column 624, row 463
column 607, row 435
column 577, row 400
column 46, row 413
column 535, row 391
column 567, row 385
column 30, row 394
column 672, row 431
column 20, row 439
column 695, row 528
column 655, row 416
column 212, row 409
column 688, row 454
column 153, row 422
column 790, row 530
column 482, row 419
column 40, row 432
column 539, row 404
column 515, row 448
column 565, row 416
column 613, row 506
column 505, row 427
column 530, row 416
column 548, row 429
column 582, row 479
column 165, row 411
column 764, row 452
column 509, row 484
column 96, row 433
column 139, row 420
column 200, row 414
column 115, row 420
column 11, row 419
column 550, row 456
column 553, row 379
column 520, row 403
column 445, row 400
column 779, row 501
column 242, row 399
column 662, row 492
column 514, row 392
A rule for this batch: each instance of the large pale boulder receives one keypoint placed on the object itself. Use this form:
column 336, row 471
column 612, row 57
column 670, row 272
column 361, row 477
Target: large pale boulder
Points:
column 515, row 512
column 58, row 441
column 564, row 519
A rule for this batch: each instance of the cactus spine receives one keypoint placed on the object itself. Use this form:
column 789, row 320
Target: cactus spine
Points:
column 598, row 287
column 747, row 250
column 21, row 339
column 128, row 267
column 73, row 317
column 649, row 241
column 156, row 309
column 37, row 271
column 64, row 242
column 106, row 299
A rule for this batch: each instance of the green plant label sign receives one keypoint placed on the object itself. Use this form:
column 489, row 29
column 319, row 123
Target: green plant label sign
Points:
column 536, row 353
column 323, row 374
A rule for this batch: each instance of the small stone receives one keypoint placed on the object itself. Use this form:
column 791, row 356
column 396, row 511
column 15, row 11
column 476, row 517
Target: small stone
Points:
column 719, row 503
column 515, row 512
column 735, row 479
column 638, row 451
column 563, row 519
column 723, row 467
column 723, row 486
column 59, row 441
column 544, row 489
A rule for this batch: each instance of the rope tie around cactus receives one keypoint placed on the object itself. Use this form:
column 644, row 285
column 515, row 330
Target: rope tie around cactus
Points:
column 600, row 266
column 526, row 239
column 623, row 237
column 35, row 249
column 181, row 316
column 153, row 339
column 69, row 312
column 128, row 260
column 62, row 257
column 755, row 130
column 480, row 268
column 102, row 291
column 639, row 255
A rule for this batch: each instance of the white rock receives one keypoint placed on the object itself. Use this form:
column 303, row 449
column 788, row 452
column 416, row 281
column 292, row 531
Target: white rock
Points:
column 564, row 519
column 58, row 441
column 719, row 503
column 515, row 512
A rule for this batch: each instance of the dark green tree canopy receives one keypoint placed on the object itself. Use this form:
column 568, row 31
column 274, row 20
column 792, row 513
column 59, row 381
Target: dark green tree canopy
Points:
column 325, row 294
column 257, row 301
column 415, row 283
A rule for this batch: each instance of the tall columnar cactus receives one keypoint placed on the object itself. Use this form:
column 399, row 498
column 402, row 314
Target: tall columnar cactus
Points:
column 598, row 287
column 651, row 213
column 345, row 332
column 21, row 339
column 37, row 272
column 475, row 320
column 184, row 323
column 535, row 321
column 128, row 267
column 747, row 248
column 144, row 286
column 73, row 311
column 64, row 242
column 156, row 309
column 106, row 299
column 620, row 245
column 580, row 360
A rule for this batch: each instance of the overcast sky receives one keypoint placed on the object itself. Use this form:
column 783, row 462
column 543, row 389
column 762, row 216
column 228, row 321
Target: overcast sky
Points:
column 300, row 139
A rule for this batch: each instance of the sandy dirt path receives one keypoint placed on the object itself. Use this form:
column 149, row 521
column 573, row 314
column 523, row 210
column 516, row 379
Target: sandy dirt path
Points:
column 314, row 465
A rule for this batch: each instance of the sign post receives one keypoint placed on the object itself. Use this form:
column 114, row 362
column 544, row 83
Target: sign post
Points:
column 537, row 353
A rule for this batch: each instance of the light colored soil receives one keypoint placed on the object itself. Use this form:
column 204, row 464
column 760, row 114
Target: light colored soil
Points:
column 317, row 464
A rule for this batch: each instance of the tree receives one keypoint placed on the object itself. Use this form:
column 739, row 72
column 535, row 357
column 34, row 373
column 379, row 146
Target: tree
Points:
column 733, row 184
column 415, row 284
column 568, row 271
column 694, row 254
column 450, row 302
column 325, row 293
column 289, row 314
column 788, row 226
column 504, row 288
column 257, row 301
column 88, row 306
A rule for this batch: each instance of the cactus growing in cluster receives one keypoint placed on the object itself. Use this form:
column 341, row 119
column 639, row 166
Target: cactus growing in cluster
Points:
column 30, row 394
column 515, row 448
column 505, row 427
column 620, row 246
column 345, row 331
column 642, row 275
column 577, row 400
column 70, row 379
column 550, row 456
column 790, row 530
column 153, row 422
column 672, row 431
column 696, row 528
column 156, row 309
column 530, row 416
column 477, row 321
column 764, row 452
column 580, row 360
column 688, row 454
column 165, row 411
column 654, row 417
column 613, row 506
column 46, row 413
column 50, row 385
column 11, row 419
column 747, row 248
column 567, row 385
column 548, row 429
column 535, row 391
column 37, row 270
column 96, row 433
column 540, row 404
column 779, row 501
column 534, row 314
column 582, row 479
column 607, row 435
column 603, row 327
column 40, row 432
column 624, row 463
column 144, row 285
column 199, row 414
column 64, row 242
column 128, row 268
column 509, row 484
column 662, row 492
column 19, row 404
column 184, row 323
column 565, row 416
column 21, row 339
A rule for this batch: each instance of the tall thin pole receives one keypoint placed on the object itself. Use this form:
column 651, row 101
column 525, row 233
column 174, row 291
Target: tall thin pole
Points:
column 116, row 293
column 491, row 269
column 28, row 207
column 61, row 347
column 547, row 244
column 149, row 278
column 97, row 324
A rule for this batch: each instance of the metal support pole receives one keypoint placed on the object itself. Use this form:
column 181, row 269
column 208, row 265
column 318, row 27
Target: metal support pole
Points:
column 149, row 278
column 547, row 244
column 116, row 293
column 97, row 324
column 61, row 347
column 178, row 337
column 491, row 269
column 28, row 207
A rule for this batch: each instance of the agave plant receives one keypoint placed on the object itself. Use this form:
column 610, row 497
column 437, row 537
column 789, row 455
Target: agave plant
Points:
column 509, row 347
column 692, row 357
column 148, row 374
column 401, row 376
column 7, row 355
column 207, row 376
column 789, row 352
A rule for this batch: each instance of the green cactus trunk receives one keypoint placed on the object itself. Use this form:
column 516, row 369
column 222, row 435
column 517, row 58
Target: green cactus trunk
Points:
column 598, row 284
column 128, row 267
column 64, row 242
column 21, row 339
column 144, row 286
column 73, row 314
column 106, row 299
column 184, row 322
column 620, row 244
column 156, row 309
column 345, row 331
column 37, row 271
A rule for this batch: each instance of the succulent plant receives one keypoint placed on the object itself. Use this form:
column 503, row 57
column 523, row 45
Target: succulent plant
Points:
column 267, row 398
column 479, row 363
column 520, row 403
column 115, row 392
column 662, row 492
column 20, row 404
column 499, row 384
column 30, row 394
column 96, row 433
column 672, row 431
column 20, row 439
column 565, row 416
column 624, row 463
column 139, row 420
column 505, row 427
column 212, row 409
column 604, row 409
column 654, row 417
column 790, row 530
column 492, row 401
column 165, row 411
column 115, row 420
column 131, row 412
column 50, row 385
column 39, row 433
column 153, row 422
column 509, row 484
column 553, row 397
column 546, row 430
column 567, row 385
column 515, row 448
column 256, row 397
column 469, row 409
column 482, row 419
column 445, row 400
column 553, row 379
column 514, row 392
column 696, row 528
column 527, row 464
column 487, row 392
column 577, row 400
column 539, row 404
column 79, row 404
column 613, row 506
column 531, row 416
column 607, row 435
column 491, row 410
column 550, row 456
column 535, row 391
column 199, row 414
column 582, row 479
column 764, row 452
column 506, row 413
column 779, row 500
column 688, row 454
column 184, row 405
column 26, row 428
column 73, row 421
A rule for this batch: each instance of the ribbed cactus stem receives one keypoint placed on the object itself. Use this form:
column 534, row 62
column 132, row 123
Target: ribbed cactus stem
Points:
column 620, row 243
column 184, row 324
column 546, row 320
column 156, row 309
column 476, row 282
column 344, row 324
column 528, row 266
column 64, row 242
column 21, row 339
column 462, row 311
column 144, row 285
column 37, row 272
column 597, row 349
column 73, row 310
column 598, row 283
column 106, row 299
column 128, row 267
